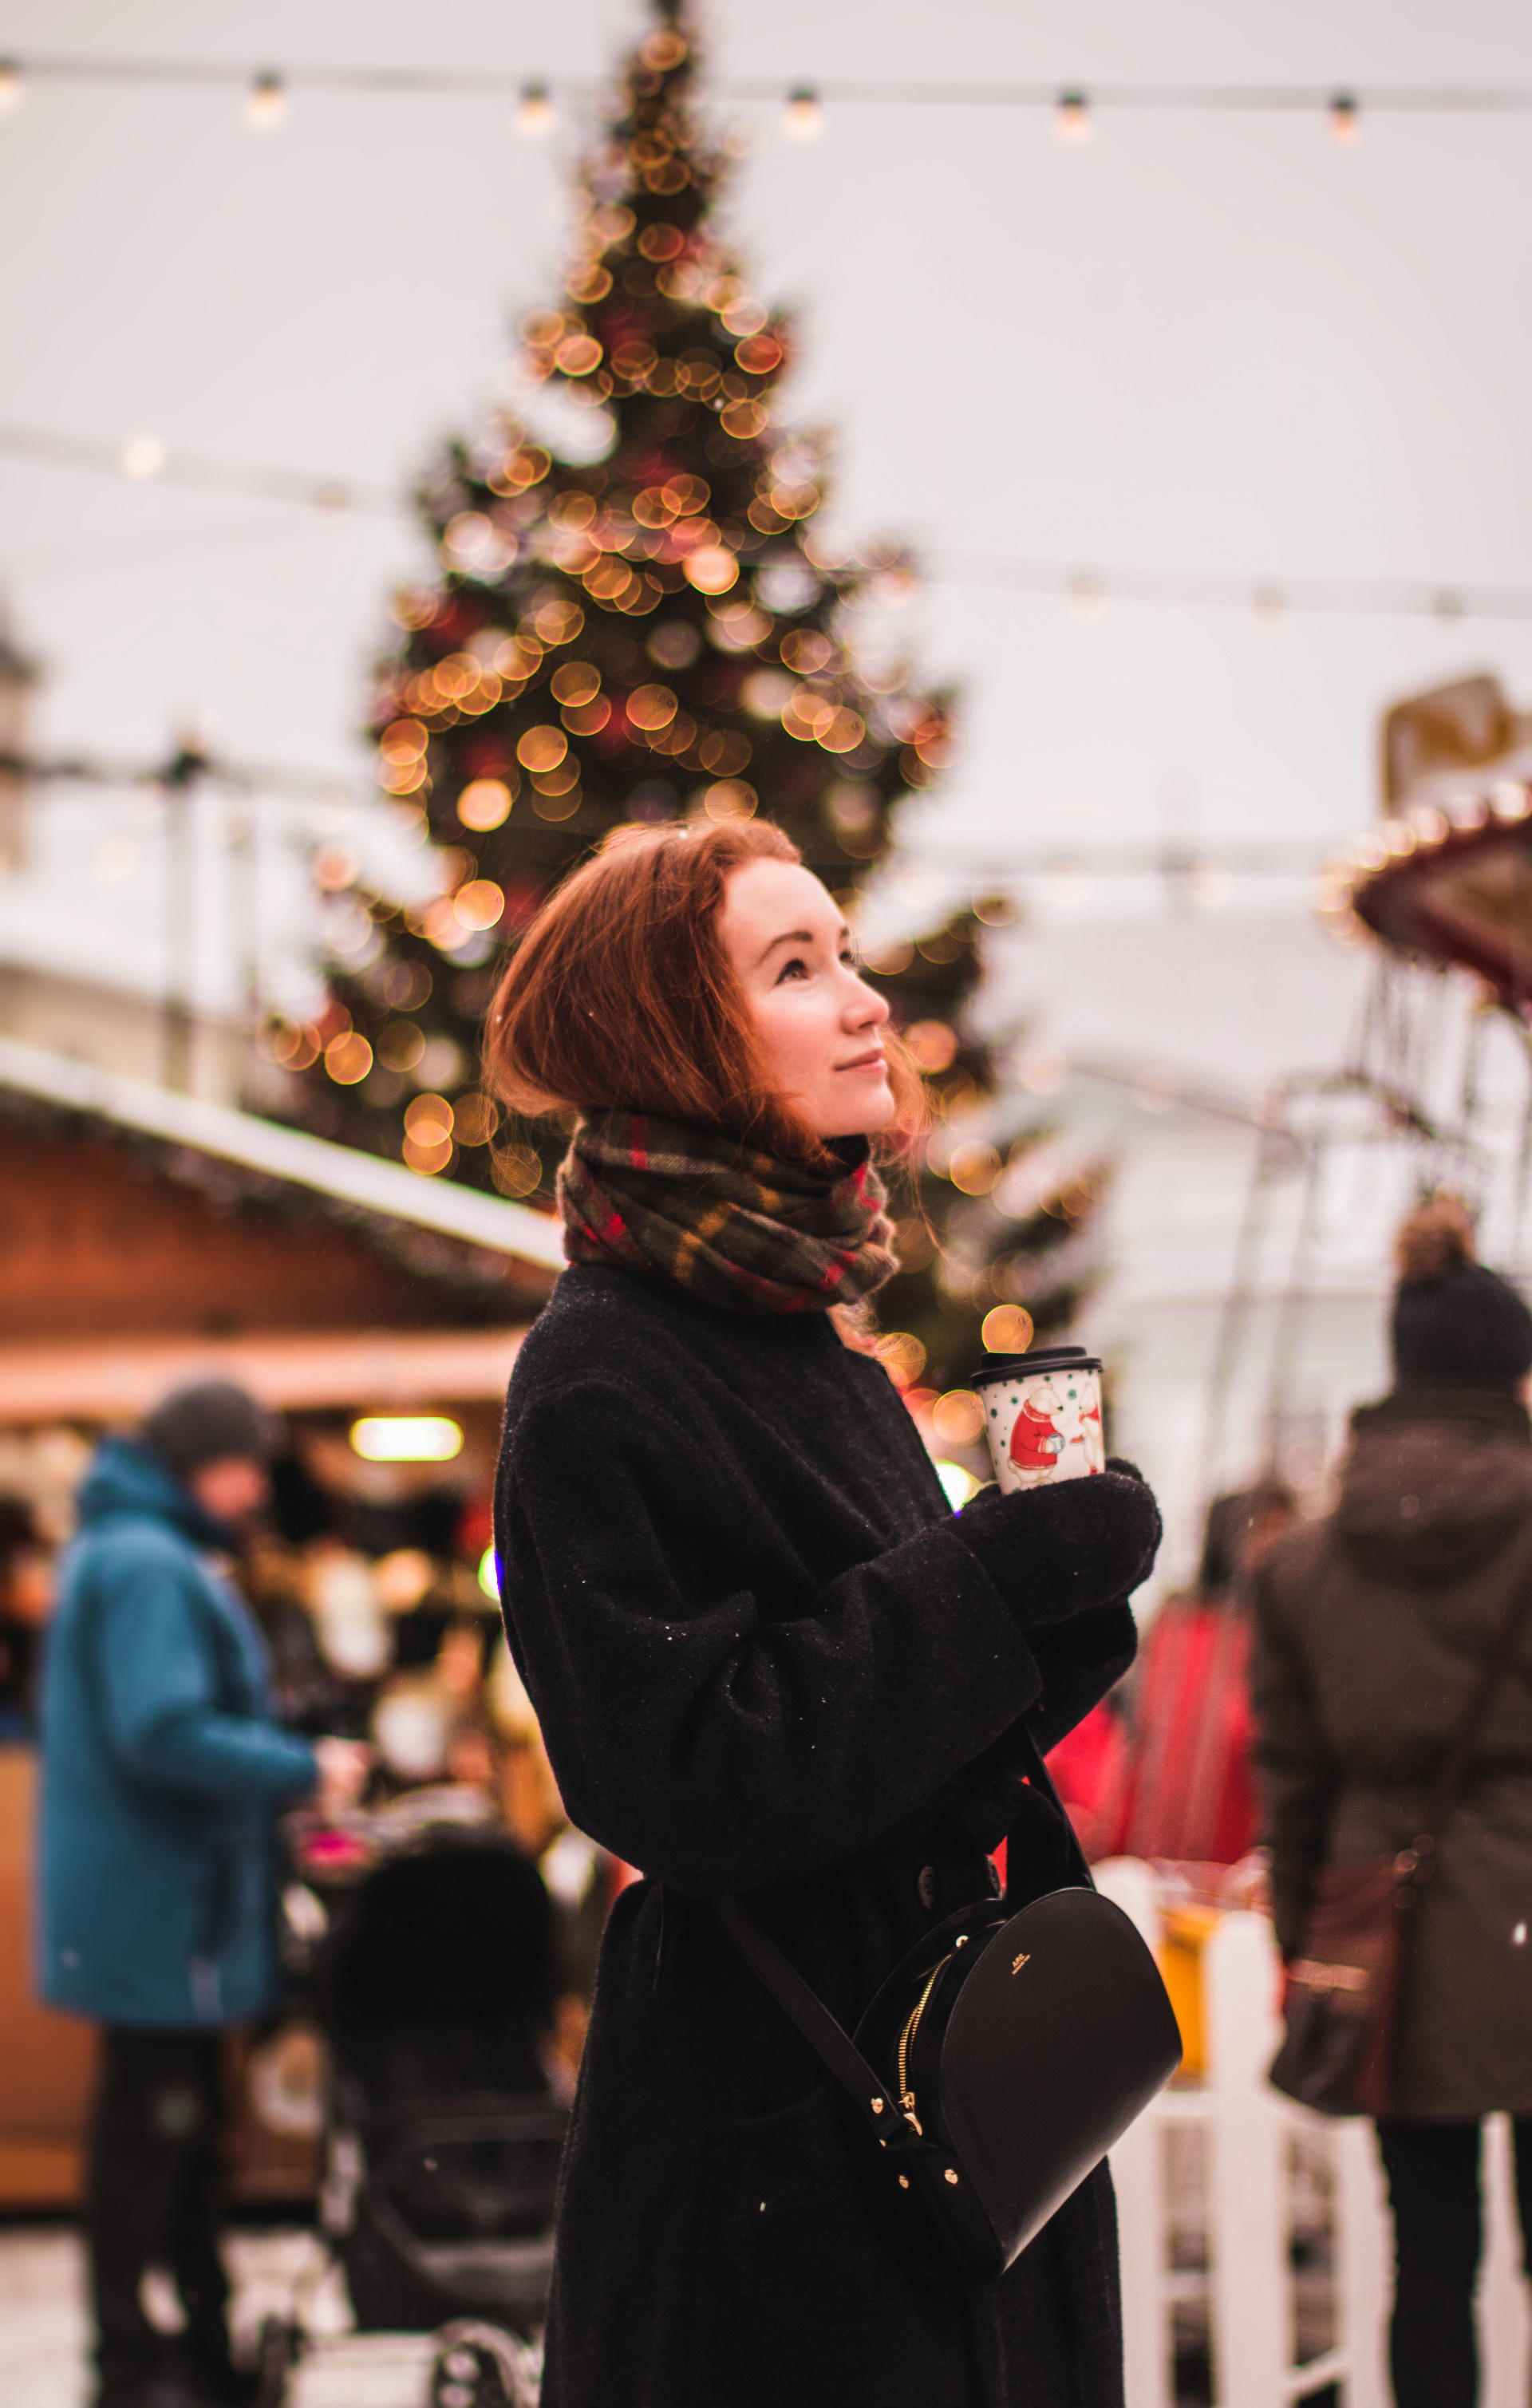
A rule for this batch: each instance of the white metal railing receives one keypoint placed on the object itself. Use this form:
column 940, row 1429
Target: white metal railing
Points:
column 1250, row 2128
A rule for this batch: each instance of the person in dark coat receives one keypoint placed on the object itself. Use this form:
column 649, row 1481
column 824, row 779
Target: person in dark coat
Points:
column 767, row 1657
column 162, row 1771
column 1371, row 1629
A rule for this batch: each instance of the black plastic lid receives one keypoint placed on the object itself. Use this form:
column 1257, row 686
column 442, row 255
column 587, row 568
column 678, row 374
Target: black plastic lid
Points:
column 1042, row 1358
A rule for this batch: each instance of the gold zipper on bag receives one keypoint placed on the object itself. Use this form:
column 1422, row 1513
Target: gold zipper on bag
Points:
column 907, row 2041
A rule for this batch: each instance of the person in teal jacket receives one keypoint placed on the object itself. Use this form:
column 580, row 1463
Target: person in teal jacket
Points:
column 163, row 1769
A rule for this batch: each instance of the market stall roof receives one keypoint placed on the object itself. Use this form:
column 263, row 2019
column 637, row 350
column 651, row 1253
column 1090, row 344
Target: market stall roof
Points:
column 363, row 1182
column 116, row 1379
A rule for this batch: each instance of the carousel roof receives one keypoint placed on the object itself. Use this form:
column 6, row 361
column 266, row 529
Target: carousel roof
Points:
column 1446, row 877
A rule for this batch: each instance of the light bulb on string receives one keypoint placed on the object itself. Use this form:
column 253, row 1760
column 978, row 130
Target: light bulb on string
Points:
column 535, row 112
column 1086, row 599
column 1346, row 118
column 10, row 86
column 1072, row 118
column 1209, row 886
column 143, row 457
column 266, row 105
column 803, row 119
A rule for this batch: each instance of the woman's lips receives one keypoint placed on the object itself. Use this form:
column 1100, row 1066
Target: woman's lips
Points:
column 876, row 1060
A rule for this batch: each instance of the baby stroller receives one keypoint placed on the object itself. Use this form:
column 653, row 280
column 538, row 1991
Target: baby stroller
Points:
column 435, row 1990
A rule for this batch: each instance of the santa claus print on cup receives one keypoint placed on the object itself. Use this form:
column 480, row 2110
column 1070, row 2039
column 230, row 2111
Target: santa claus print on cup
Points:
column 1042, row 1415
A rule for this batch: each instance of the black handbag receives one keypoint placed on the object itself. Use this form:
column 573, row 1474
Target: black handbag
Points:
column 996, row 2065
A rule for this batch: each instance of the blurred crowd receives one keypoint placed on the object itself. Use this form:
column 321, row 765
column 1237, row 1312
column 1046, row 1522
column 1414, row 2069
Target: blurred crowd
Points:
column 376, row 1598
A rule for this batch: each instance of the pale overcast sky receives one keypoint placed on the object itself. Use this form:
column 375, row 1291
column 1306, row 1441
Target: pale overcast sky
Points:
column 1218, row 343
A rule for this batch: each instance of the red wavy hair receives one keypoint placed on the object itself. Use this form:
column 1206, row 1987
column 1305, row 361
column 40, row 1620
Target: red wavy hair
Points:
column 620, row 996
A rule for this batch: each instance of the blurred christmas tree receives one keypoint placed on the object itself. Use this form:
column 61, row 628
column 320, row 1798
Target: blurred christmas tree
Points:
column 637, row 620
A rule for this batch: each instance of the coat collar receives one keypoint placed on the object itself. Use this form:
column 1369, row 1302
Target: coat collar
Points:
column 128, row 1477
column 1497, row 1409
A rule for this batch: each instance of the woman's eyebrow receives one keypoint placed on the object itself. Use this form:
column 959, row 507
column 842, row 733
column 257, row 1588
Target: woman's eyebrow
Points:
column 792, row 936
column 802, row 936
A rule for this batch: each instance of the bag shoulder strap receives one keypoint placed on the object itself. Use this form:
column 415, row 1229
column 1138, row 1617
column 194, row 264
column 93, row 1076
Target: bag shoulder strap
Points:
column 1497, row 1665
column 833, row 2045
column 1041, row 1780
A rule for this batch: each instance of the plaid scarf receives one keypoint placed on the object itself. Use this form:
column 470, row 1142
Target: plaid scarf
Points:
column 732, row 1227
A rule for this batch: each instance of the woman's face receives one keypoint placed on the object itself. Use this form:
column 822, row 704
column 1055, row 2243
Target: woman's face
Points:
column 820, row 1030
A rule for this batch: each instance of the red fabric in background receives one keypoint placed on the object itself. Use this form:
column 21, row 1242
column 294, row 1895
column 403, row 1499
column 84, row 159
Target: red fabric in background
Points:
column 1191, row 1793
column 1181, row 1786
column 1090, row 1769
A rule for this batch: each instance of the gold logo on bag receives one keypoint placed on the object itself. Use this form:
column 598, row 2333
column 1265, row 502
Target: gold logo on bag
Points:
column 1020, row 1962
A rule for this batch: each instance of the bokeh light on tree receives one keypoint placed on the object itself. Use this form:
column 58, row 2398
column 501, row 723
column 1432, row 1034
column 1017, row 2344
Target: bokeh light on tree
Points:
column 640, row 622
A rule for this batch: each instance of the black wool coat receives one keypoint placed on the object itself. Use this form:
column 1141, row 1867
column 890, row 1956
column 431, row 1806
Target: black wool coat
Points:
column 768, row 1659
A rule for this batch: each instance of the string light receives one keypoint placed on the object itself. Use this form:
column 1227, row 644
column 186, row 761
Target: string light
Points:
column 803, row 119
column 535, row 112
column 1086, row 591
column 1342, row 109
column 1103, row 884
column 146, row 456
column 1346, row 118
column 1072, row 118
column 267, row 105
column 11, row 87
column 1064, row 882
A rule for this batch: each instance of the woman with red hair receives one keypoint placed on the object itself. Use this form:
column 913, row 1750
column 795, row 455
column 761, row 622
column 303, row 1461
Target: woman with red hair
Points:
column 767, row 1656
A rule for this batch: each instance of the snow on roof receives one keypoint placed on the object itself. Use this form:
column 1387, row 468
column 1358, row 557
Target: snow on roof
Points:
column 364, row 1181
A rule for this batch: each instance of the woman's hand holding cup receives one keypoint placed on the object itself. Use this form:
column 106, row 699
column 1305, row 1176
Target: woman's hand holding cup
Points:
column 1064, row 1530
column 1063, row 1549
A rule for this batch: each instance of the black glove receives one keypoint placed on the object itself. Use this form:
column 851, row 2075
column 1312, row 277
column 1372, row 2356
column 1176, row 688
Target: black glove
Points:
column 1057, row 1550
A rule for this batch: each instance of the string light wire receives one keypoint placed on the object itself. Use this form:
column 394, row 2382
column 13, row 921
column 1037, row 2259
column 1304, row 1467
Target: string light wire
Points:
column 1178, row 868
column 146, row 458
column 1089, row 593
column 1269, row 601
column 1074, row 107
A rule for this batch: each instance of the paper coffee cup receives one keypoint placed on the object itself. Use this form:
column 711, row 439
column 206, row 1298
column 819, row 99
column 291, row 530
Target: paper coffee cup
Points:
column 1042, row 1415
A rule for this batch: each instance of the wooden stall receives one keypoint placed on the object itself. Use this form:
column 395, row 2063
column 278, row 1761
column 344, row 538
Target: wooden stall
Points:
column 145, row 1238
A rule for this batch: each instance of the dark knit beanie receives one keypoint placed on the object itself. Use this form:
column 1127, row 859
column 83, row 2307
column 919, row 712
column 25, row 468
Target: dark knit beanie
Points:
column 1464, row 1329
column 207, row 1422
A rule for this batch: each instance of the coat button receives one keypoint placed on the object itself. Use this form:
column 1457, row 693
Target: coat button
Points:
column 926, row 1886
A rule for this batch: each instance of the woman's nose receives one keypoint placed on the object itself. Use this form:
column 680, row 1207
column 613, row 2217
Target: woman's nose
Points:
column 867, row 1008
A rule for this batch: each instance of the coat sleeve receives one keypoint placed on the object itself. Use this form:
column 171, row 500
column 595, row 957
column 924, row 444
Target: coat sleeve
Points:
column 1080, row 1660
column 717, row 1736
column 1297, row 1773
column 158, row 1694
